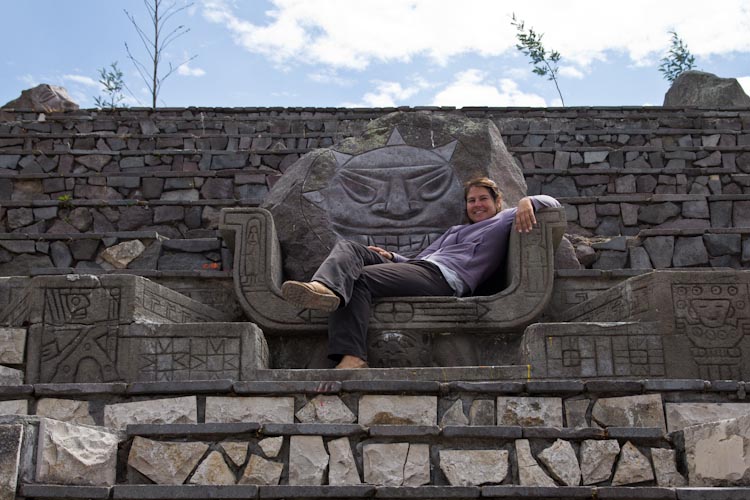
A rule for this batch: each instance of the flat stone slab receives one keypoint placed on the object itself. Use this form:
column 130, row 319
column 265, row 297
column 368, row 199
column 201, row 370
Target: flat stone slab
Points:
column 156, row 411
column 11, row 437
column 445, row 374
column 681, row 415
column 716, row 453
column 398, row 410
column 192, row 492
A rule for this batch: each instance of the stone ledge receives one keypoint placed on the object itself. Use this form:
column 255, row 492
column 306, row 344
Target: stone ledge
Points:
column 56, row 271
column 192, row 430
column 539, row 492
column 569, row 433
column 78, row 389
column 287, row 387
column 313, row 429
column 713, row 493
column 641, row 433
column 404, row 430
column 445, row 374
column 483, row 431
column 635, row 493
column 196, row 492
column 192, row 387
column 82, row 236
column 483, row 387
column 428, row 492
column 67, row 492
column 554, row 386
column 298, row 492
column 614, row 386
column 658, row 385
column 391, row 386
column 16, row 390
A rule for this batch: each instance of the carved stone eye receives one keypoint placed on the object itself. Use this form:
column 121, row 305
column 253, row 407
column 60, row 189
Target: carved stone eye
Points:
column 358, row 191
column 434, row 184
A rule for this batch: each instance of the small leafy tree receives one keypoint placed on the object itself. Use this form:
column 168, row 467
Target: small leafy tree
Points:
column 112, row 83
column 530, row 44
column 678, row 59
column 156, row 44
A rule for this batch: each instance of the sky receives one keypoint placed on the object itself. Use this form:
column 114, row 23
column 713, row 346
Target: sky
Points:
column 371, row 53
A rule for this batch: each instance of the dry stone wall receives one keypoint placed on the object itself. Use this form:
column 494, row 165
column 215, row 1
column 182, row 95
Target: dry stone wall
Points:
column 641, row 173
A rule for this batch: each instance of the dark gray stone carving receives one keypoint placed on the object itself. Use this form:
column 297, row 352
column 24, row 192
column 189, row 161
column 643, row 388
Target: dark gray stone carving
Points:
column 398, row 185
column 702, row 319
column 78, row 332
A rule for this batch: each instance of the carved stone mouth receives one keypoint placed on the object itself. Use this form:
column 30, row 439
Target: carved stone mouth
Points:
column 407, row 245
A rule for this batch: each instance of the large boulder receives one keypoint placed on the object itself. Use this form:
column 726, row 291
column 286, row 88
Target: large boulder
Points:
column 44, row 98
column 398, row 185
column 706, row 90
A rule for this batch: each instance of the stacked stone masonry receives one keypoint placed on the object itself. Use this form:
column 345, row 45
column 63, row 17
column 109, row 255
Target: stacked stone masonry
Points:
column 622, row 174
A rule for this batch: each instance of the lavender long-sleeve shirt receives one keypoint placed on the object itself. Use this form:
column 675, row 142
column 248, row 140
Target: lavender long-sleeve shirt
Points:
column 474, row 251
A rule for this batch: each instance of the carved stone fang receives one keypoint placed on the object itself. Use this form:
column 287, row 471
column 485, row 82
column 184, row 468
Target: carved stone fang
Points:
column 446, row 152
column 395, row 139
column 341, row 158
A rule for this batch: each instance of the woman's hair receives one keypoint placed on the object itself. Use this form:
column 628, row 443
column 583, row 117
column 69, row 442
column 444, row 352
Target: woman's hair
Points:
column 484, row 182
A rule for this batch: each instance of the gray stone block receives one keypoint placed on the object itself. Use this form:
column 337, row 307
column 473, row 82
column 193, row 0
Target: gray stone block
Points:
column 689, row 251
column 66, row 492
column 695, row 209
column 722, row 244
column 611, row 260
column 660, row 250
column 639, row 259
column 658, row 213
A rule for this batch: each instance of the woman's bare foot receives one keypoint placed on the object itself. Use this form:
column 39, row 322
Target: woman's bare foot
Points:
column 351, row 362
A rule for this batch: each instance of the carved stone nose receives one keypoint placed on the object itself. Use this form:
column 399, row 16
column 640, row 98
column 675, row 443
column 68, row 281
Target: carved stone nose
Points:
column 397, row 204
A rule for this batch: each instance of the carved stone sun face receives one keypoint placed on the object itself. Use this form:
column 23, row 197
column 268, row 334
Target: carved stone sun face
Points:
column 395, row 197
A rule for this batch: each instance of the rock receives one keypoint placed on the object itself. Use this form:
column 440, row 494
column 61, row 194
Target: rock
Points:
column 611, row 260
column 715, row 453
column 384, row 463
column 409, row 146
column 454, row 415
column 630, row 411
column 12, row 345
column 585, row 255
column 689, row 251
column 398, row 410
column 665, row 468
column 94, row 162
column 271, row 446
column 656, row 213
column 261, row 472
column 482, row 412
column 122, row 254
column 65, row 410
column 474, row 467
column 133, row 218
column 11, row 437
column 44, row 98
column 697, row 209
column 681, row 415
column 264, row 410
column 217, row 189
column 168, row 213
column 633, row 467
column 308, row 460
column 560, row 459
column 639, row 258
column 565, row 255
column 697, row 88
column 165, row 462
column 236, row 451
column 19, row 217
column 575, row 412
column 722, row 244
column 326, row 410
column 712, row 160
column 75, row 455
column 560, row 187
column 529, row 411
column 183, row 195
column 597, row 458
column 15, row 407
column 529, row 472
column 182, row 410
column 342, row 467
column 660, row 250
column 417, row 467
column 213, row 470
column 10, row 376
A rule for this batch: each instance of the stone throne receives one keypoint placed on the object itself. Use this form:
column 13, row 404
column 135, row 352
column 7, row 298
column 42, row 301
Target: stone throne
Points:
column 399, row 186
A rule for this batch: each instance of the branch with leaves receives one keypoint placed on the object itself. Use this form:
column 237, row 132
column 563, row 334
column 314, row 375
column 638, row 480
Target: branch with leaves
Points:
column 112, row 85
column 156, row 44
column 678, row 59
column 530, row 44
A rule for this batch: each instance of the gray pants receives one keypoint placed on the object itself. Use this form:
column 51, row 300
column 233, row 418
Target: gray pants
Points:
column 358, row 275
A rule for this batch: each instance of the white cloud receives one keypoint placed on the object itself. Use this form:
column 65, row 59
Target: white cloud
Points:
column 346, row 34
column 388, row 94
column 571, row 72
column 29, row 80
column 186, row 70
column 329, row 76
column 745, row 83
column 83, row 80
column 472, row 88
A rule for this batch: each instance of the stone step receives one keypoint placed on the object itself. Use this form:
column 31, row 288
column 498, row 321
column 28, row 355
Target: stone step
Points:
column 235, row 492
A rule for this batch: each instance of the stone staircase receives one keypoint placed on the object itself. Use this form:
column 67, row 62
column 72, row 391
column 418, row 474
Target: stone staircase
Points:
column 117, row 213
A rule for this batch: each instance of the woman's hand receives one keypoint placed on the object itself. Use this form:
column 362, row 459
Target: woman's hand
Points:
column 525, row 219
column 382, row 252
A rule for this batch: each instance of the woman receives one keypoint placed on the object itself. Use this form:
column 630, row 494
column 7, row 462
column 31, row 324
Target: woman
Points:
column 455, row 264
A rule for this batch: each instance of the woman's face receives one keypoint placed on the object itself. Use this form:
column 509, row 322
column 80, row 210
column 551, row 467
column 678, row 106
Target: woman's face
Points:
column 480, row 205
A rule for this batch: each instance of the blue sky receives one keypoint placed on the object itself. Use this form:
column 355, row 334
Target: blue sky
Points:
column 374, row 53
